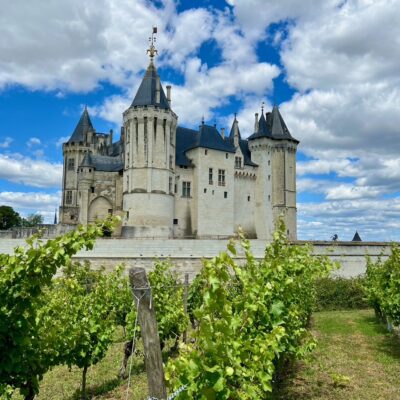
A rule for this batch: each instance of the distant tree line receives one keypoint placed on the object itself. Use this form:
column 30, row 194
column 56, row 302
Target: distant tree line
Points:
column 9, row 218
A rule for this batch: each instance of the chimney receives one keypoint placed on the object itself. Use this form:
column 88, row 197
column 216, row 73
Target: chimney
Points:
column 169, row 94
column 223, row 133
column 158, row 90
column 256, row 123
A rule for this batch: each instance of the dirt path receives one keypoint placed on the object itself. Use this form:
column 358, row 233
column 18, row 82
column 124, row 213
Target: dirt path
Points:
column 355, row 359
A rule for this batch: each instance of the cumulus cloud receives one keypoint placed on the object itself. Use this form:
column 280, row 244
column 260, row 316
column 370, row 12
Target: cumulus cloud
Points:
column 6, row 143
column 33, row 141
column 374, row 219
column 26, row 203
column 24, row 170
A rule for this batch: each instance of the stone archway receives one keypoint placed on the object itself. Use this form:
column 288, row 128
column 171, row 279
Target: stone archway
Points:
column 99, row 209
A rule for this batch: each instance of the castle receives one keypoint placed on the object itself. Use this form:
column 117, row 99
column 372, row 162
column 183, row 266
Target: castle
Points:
column 167, row 181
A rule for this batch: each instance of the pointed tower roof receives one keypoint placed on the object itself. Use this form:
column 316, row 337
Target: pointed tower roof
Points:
column 279, row 129
column 356, row 238
column 83, row 127
column 146, row 94
column 235, row 125
column 264, row 129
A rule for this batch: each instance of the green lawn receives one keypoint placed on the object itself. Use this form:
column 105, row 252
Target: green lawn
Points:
column 355, row 359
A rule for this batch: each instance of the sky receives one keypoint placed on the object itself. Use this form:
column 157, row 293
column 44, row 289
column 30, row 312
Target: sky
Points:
column 332, row 66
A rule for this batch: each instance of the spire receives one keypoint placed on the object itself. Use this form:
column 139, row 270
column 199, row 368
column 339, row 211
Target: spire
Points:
column 55, row 217
column 356, row 237
column 82, row 128
column 234, row 135
column 151, row 92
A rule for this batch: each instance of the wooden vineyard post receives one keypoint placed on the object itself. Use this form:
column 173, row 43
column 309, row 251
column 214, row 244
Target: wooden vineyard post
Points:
column 185, row 302
column 148, row 328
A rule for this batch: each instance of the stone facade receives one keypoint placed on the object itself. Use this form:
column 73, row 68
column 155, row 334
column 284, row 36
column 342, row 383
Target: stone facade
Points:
column 167, row 181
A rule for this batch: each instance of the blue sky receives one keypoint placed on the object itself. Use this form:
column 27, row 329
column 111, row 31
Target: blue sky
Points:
column 332, row 66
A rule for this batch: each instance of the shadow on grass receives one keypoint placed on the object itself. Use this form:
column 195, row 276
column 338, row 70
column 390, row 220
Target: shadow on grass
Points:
column 291, row 386
column 97, row 390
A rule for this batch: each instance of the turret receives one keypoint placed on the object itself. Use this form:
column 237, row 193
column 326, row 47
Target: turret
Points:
column 149, row 173
column 74, row 150
column 274, row 150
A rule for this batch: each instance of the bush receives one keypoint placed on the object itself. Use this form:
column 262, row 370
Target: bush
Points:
column 249, row 319
column 382, row 286
column 340, row 293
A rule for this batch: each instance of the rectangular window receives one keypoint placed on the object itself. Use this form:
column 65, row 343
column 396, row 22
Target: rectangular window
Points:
column 92, row 189
column 210, row 176
column 225, row 195
column 221, row 177
column 238, row 162
column 171, row 160
column 205, row 152
column 248, row 198
column 170, row 184
column 269, row 177
column 205, row 190
column 226, row 155
column 175, row 221
column 71, row 164
column 68, row 197
column 185, row 189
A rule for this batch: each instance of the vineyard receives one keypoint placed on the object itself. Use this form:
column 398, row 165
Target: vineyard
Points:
column 230, row 334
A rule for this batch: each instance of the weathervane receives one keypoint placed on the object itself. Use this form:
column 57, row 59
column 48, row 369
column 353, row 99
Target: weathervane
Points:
column 152, row 51
column 262, row 108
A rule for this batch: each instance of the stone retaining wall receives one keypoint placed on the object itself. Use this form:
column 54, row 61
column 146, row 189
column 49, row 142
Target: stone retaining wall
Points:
column 187, row 255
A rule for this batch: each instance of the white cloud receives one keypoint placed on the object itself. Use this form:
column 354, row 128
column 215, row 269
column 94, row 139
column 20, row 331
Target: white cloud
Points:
column 5, row 144
column 33, row 141
column 61, row 140
column 26, row 203
column 374, row 219
column 24, row 170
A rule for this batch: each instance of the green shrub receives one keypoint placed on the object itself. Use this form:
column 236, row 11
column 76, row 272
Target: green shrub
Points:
column 340, row 293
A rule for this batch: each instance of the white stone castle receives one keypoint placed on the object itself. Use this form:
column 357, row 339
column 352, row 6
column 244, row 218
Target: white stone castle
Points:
column 166, row 181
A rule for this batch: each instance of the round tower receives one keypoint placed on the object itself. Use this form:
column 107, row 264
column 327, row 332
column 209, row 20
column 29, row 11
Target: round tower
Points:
column 274, row 150
column 73, row 153
column 149, row 162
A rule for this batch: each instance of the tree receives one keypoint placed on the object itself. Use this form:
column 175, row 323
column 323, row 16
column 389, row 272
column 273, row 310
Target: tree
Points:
column 87, row 301
column 32, row 220
column 8, row 218
column 24, row 277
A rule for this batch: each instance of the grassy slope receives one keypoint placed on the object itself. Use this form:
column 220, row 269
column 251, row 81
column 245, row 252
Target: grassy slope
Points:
column 355, row 359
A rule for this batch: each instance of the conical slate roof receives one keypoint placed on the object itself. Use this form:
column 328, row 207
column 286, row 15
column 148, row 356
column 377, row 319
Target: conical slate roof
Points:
column 272, row 126
column 279, row 128
column 356, row 237
column 264, row 127
column 146, row 94
column 83, row 127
